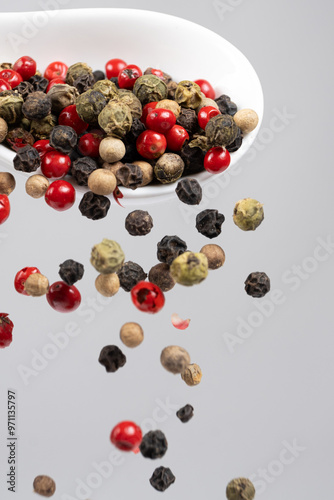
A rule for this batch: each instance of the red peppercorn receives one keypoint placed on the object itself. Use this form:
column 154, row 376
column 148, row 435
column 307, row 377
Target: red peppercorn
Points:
column 176, row 138
column 147, row 110
column 114, row 67
column 4, row 85
column 70, row 117
column 22, row 276
column 53, row 82
column 160, row 120
column 147, row 297
column 157, row 72
column 4, row 208
column 217, row 160
column 205, row 114
column 63, row 298
column 26, row 67
column 11, row 76
column 206, row 88
column 55, row 164
column 128, row 76
column 151, row 144
column 126, row 436
column 60, row 195
column 43, row 147
column 55, row 69
column 88, row 144
column 6, row 328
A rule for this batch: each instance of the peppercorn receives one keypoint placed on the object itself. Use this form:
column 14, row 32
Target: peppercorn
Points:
column 162, row 478
column 107, row 257
column 209, row 222
column 112, row 358
column 237, row 143
column 215, row 255
column 130, row 175
column 185, row 413
column 111, row 149
column 36, row 106
column 257, row 285
column 130, row 274
column 246, row 119
column 18, row 137
column 192, row 375
column 131, row 334
column 171, row 89
column 169, row 248
column 248, row 214
column 10, row 106
column 115, row 119
column 206, row 101
column 63, row 138
column 89, row 106
column 193, row 159
column 150, row 88
column 5, row 65
column 37, row 185
column 221, row 130
column 137, row 128
column 154, row 445
column 82, row 168
column 113, row 167
column 188, row 120
column 164, row 76
column 170, row 105
column 131, row 153
column 147, row 171
column 84, row 83
column 240, row 489
column 138, row 223
column 226, row 106
column 102, row 182
column 174, row 359
column 107, row 284
column 189, row 191
column 3, row 129
column 71, row 271
column 107, row 88
column 44, row 485
column 114, row 80
column 94, row 206
column 62, row 95
column 25, row 123
column 7, row 183
column 169, row 168
column 41, row 129
column 127, row 97
column 27, row 159
column 39, row 83
column 188, row 94
column 189, row 268
column 25, row 88
column 99, row 75
column 36, row 285
column 160, row 275
column 76, row 71
column 201, row 142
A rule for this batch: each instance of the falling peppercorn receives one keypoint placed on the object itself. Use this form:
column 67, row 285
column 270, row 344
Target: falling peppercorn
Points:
column 162, row 478
column 138, row 223
column 215, row 255
column 107, row 257
column 209, row 222
column 112, row 358
column 248, row 214
column 189, row 191
column 189, row 268
column 169, row 248
column 44, row 485
column 185, row 413
column 7, row 183
column 71, row 271
column 240, row 489
column 154, row 445
column 160, row 275
column 94, row 206
column 131, row 334
column 130, row 274
column 174, row 359
column 192, row 375
column 257, row 285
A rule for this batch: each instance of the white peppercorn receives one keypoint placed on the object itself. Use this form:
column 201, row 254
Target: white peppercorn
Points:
column 172, row 106
column 215, row 255
column 246, row 119
column 147, row 171
column 7, row 183
column 107, row 284
column 36, row 285
column 111, row 149
column 174, row 359
column 102, row 182
column 37, row 185
column 3, row 129
column 131, row 334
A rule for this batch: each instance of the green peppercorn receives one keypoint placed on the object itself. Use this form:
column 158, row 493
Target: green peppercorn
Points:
column 150, row 88
column 11, row 106
column 115, row 119
column 41, row 129
column 169, row 168
column 127, row 97
column 188, row 94
column 240, row 489
column 189, row 268
column 89, row 105
column 62, row 95
column 221, row 130
column 76, row 71
column 107, row 88
column 248, row 214
column 107, row 257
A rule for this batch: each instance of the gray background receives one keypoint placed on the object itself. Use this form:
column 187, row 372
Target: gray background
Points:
column 275, row 389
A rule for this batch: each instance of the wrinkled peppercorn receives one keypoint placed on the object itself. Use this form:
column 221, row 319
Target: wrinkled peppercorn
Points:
column 84, row 82
column 189, row 268
column 189, row 191
column 137, row 128
column 130, row 274
column 162, row 478
column 171, row 88
column 226, row 106
column 127, row 97
column 131, row 153
column 209, row 222
column 237, row 143
column 71, row 271
column 18, row 138
column 138, row 223
column 82, row 168
column 94, row 206
column 36, row 106
column 77, row 70
column 62, row 95
column 63, row 138
column 130, row 175
column 188, row 120
column 89, row 105
column 39, row 83
column 169, row 248
column 193, row 160
column 188, row 94
column 165, row 77
column 221, row 130
column 112, row 358
column 257, row 285
column 27, row 159
column 98, row 75
column 114, row 80
column 150, row 88
column 116, row 119
column 25, row 88
column 160, row 275
column 169, row 168
column 240, row 489
column 154, row 445
column 11, row 106
column 185, row 413
column 41, row 129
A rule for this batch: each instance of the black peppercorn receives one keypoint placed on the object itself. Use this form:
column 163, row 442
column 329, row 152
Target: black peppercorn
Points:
column 36, row 106
column 99, row 75
column 160, row 275
column 137, row 128
column 226, row 106
column 189, row 191
column 114, row 79
column 130, row 274
column 131, row 153
column 71, row 271
column 94, row 206
column 257, row 285
column 185, row 413
column 39, row 83
column 138, row 223
column 112, row 358
column 82, row 168
column 188, row 120
column 237, row 143
column 130, row 175
column 193, row 160
column 162, row 478
column 63, row 138
column 169, row 248
column 27, row 159
column 25, row 88
column 154, row 445
column 84, row 82
column 209, row 222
